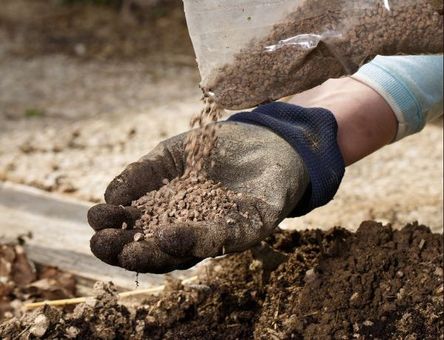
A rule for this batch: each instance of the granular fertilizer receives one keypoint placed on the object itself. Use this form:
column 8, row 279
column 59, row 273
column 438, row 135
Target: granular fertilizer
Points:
column 202, row 140
column 322, row 40
column 273, row 68
column 191, row 198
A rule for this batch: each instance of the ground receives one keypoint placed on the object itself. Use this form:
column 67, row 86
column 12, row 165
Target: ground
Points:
column 77, row 107
column 376, row 283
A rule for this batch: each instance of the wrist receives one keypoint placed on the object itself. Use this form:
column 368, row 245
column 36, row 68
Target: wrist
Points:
column 365, row 120
column 312, row 132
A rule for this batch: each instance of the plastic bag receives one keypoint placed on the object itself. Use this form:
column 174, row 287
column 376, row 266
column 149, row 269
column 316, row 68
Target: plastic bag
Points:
column 254, row 51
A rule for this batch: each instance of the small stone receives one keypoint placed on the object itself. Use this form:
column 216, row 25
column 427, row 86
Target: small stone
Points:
column 40, row 326
column 230, row 221
column 72, row 332
column 368, row 323
column 80, row 49
column 138, row 237
column 310, row 275
column 354, row 296
column 91, row 301
column 164, row 218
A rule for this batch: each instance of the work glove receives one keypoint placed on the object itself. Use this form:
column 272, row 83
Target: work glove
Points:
column 283, row 158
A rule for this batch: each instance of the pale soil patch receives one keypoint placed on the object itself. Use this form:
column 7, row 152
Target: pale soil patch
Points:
column 71, row 123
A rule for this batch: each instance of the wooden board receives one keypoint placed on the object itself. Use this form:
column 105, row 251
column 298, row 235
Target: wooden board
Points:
column 61, row 235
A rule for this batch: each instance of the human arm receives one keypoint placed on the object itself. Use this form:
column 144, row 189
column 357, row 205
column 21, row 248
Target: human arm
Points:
column 289, row 156
column 386, row 100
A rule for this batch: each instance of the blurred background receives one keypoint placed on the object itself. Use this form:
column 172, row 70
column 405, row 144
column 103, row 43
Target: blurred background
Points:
column 88, row 86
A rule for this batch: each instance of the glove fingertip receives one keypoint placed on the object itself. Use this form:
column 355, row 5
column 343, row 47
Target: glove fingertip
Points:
column 117, row 194
column 146, row 257
column 105, row 216
column 178, row 240
column 108, row 243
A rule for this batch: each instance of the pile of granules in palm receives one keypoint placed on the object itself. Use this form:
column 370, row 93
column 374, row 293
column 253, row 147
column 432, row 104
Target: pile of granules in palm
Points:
column 191, row 198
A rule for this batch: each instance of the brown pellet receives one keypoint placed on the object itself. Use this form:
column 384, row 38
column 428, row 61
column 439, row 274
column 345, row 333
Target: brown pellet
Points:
column 165, row 209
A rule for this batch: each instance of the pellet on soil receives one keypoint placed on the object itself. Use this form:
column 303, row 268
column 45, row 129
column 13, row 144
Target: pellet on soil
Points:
column 267, row 70
column 192, row 198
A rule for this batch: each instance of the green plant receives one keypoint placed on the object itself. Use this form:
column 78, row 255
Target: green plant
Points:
column 33, row 112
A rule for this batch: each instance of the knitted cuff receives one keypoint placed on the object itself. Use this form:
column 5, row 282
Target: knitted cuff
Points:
column 312, row 133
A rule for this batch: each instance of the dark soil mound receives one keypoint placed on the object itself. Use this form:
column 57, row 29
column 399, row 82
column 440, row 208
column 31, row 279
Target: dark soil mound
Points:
column 375, row 283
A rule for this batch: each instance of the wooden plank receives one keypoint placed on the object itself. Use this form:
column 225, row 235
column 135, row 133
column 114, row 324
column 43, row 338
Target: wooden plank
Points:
column 61, row 235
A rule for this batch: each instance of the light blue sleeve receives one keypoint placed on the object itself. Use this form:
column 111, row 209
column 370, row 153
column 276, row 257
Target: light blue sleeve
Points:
column 412, row 86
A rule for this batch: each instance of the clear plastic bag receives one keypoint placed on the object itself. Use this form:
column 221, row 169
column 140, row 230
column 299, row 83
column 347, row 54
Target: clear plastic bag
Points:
column 254, row 51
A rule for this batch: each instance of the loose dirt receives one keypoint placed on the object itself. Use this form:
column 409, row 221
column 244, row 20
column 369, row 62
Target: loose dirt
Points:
column 342, row 36
column 375, row 283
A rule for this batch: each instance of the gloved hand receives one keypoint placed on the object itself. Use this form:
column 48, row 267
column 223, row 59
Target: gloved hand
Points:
column 248, row 158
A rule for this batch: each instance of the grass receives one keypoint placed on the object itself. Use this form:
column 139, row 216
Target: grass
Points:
column 33, row 113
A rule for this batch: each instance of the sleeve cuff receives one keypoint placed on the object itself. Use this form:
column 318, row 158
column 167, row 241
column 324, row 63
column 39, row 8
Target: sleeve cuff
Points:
column 403, row 102
column 312, row 132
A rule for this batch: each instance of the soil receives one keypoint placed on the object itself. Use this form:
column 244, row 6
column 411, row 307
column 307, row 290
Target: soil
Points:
column 375, row 283
column 341, row 38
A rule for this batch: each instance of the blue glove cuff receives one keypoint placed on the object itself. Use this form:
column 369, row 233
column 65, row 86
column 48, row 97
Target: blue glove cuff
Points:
column 312, row 133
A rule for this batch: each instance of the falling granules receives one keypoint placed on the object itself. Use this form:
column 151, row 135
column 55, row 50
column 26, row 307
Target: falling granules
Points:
column 201, row 141
column 187, row 199
column 192, row 197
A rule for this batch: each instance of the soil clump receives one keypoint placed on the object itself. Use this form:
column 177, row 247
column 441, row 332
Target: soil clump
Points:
column 375, row 283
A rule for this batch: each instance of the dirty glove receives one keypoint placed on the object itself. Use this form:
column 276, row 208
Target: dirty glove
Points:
column 284, row 157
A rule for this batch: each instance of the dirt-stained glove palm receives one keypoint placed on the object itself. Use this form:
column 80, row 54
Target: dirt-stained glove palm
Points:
column 247, row 159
